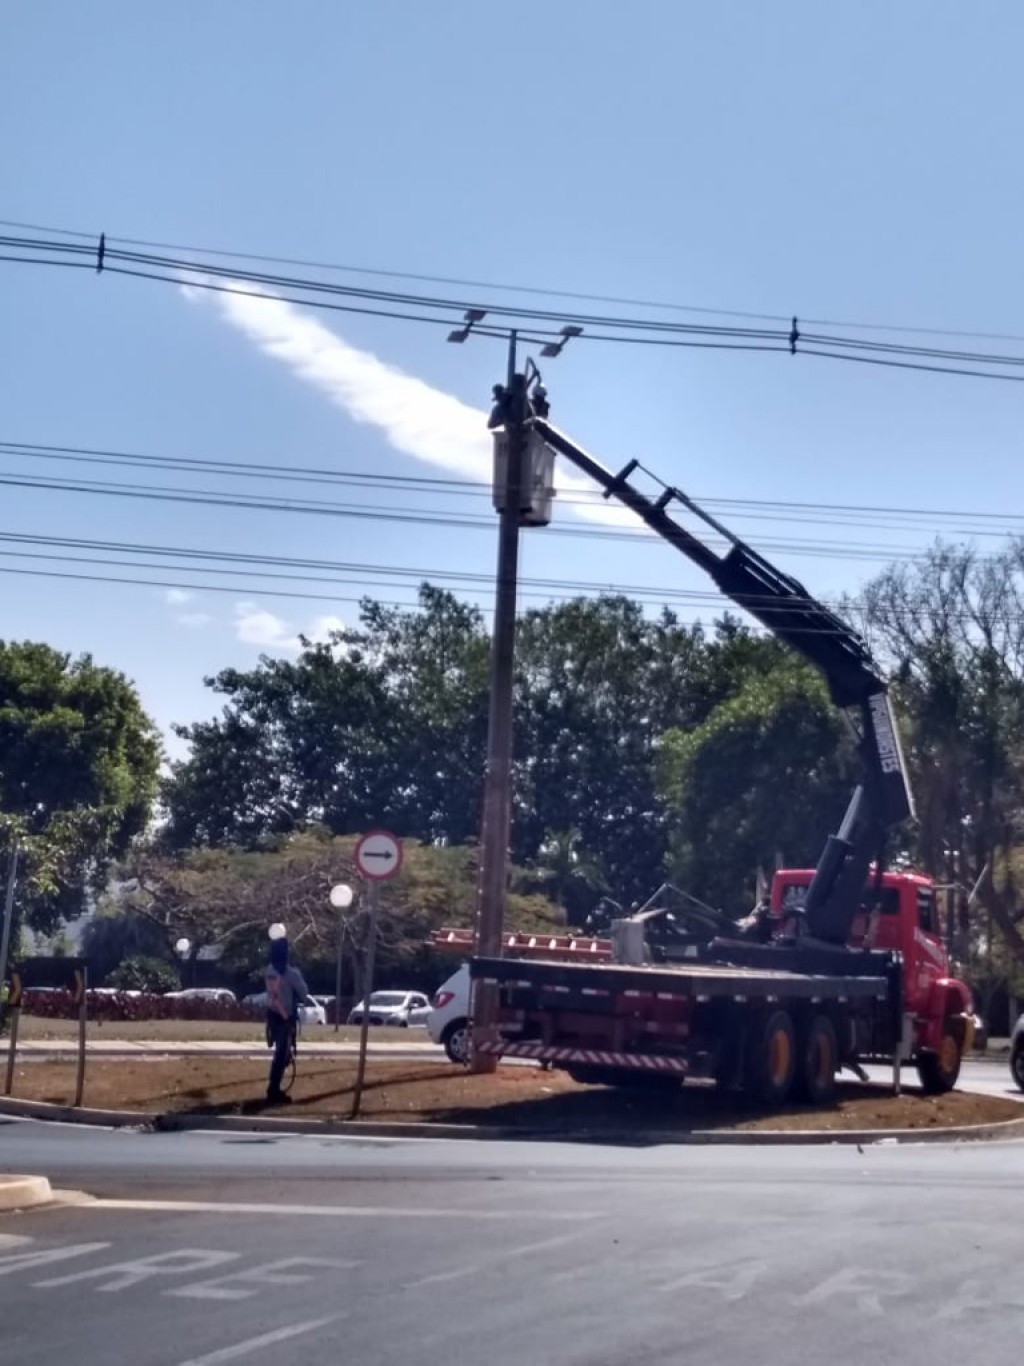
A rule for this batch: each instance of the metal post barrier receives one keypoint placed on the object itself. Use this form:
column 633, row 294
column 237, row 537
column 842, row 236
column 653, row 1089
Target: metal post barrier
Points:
column 81, row 988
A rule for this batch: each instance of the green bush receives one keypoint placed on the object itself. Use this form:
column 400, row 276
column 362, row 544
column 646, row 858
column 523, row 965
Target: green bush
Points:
column 143, row 974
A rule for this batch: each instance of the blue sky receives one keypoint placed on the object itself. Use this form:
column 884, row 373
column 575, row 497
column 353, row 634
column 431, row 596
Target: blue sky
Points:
column 856, row 163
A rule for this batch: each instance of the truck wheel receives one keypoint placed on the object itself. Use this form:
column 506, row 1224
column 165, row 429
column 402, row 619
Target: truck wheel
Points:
column 456, row 1041
column 771, row 1058
column 1017, row 1067
column 818, row 1061
column 939, row 1071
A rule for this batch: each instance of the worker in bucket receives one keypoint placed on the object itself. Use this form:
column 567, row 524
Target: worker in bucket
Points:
column 286, row 991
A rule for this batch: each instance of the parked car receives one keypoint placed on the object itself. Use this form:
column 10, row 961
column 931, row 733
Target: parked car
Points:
column 312, row 1014
column 220, row 995
column 395, row 1008
column 448, row 1019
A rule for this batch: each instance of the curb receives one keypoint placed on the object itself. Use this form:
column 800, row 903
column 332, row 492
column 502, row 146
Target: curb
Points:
column 172, row 1122
column 24, row 1192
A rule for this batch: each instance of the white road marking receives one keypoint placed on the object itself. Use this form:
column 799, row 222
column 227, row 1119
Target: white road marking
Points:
column 242, row 1285
column 241, row 1349
column 862, row 1285
column 731, row 1281
column 127, row 1274
column 21, row 1261
column 331, row 1211
column 484, row 1263
column 13, row 1240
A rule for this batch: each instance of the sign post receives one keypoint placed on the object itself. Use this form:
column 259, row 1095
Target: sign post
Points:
column 378, row 857
column 14, row 1004
column 7, row 919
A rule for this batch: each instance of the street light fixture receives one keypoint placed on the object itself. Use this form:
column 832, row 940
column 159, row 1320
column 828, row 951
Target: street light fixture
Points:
column 341, row 898
column 183, row 947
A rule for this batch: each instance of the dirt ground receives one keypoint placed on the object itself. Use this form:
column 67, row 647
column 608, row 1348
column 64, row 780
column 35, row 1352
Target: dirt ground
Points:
column 199, row 1031
column 522, row 1097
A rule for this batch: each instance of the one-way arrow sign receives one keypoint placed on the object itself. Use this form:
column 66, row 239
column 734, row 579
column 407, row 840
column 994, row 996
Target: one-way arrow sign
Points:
column 379, row 855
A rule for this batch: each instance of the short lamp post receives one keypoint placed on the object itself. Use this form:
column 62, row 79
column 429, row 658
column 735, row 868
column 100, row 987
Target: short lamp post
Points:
column 341, row 898
column 183, row 948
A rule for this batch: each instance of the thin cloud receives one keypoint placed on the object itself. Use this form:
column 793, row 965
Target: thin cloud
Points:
column 255, row 625
column 193, row 620
column 415, row 418
column 177, row 597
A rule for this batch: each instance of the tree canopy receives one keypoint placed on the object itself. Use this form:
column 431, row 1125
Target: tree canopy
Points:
column 78, row 774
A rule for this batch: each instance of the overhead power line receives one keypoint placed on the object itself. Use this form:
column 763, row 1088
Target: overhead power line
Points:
column 462, row 282
column 537, row 325
column 877, row 516
column 386, row 513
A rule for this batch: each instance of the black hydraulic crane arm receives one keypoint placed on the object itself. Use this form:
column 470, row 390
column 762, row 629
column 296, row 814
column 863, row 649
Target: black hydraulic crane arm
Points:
column 784, row 607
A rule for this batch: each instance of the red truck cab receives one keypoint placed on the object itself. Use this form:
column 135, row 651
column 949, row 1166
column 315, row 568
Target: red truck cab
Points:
column 906, row 921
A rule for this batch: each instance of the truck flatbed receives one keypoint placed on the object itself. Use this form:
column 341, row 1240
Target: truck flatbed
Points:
column 699, row 980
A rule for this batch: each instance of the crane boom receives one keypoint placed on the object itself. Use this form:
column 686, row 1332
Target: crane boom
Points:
column 785, row 608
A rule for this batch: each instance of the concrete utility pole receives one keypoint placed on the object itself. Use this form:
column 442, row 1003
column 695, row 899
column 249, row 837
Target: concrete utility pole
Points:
column 494, row 836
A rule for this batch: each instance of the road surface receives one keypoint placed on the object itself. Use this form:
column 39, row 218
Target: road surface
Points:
column 205, row 1248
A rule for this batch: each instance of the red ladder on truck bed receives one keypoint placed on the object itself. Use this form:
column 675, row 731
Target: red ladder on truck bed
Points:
column 531, row 945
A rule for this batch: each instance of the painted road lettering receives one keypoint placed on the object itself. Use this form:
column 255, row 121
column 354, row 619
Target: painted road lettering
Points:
column 731, row 1280
column 242, row 1285
column 26, row 1261
column 861, row 1286
column 183, row 1261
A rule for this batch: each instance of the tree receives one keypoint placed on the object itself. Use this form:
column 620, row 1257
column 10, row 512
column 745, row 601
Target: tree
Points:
column 384, row 725
column 767, row 773
column 114, row 935
column 951, row 627
column 78, row 772
column 599, row 686
column 143, row 974
column 225, row 899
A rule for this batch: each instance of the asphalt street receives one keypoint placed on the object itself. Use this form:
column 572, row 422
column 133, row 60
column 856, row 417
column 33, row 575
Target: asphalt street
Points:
column 203, row 1248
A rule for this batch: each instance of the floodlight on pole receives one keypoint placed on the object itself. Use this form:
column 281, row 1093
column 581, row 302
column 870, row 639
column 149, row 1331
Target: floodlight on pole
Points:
column 555, row 348
column 472, row 317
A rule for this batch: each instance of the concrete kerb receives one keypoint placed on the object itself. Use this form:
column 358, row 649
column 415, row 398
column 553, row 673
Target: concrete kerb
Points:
column 171, row 1121
column 23, row 1192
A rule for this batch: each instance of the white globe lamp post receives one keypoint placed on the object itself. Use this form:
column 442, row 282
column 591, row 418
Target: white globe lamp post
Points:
column 341, row 898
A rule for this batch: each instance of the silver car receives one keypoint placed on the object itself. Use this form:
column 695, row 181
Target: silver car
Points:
column 399, row 1009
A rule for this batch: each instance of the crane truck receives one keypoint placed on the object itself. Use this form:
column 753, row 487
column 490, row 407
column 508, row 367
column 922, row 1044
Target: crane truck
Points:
column 847, row 965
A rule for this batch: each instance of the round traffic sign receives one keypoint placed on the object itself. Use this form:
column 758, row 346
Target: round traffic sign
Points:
column 379, row 855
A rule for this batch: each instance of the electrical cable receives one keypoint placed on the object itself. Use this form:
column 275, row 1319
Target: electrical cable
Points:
column 516, row 288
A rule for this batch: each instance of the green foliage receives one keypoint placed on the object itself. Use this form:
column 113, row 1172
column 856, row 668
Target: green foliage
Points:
column 951, row 627
column 385, row 725
column 765, row 776
column 78, row 770
column 144, row 974
column 115, row 935
column 227, row 898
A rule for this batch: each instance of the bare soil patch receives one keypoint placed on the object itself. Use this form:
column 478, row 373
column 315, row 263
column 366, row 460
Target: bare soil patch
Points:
column 519, row 1097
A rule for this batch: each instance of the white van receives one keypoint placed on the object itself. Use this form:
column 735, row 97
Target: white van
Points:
column 448, row 1019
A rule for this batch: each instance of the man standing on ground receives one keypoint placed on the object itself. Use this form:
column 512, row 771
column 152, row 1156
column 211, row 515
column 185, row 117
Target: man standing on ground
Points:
column 286, row 991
